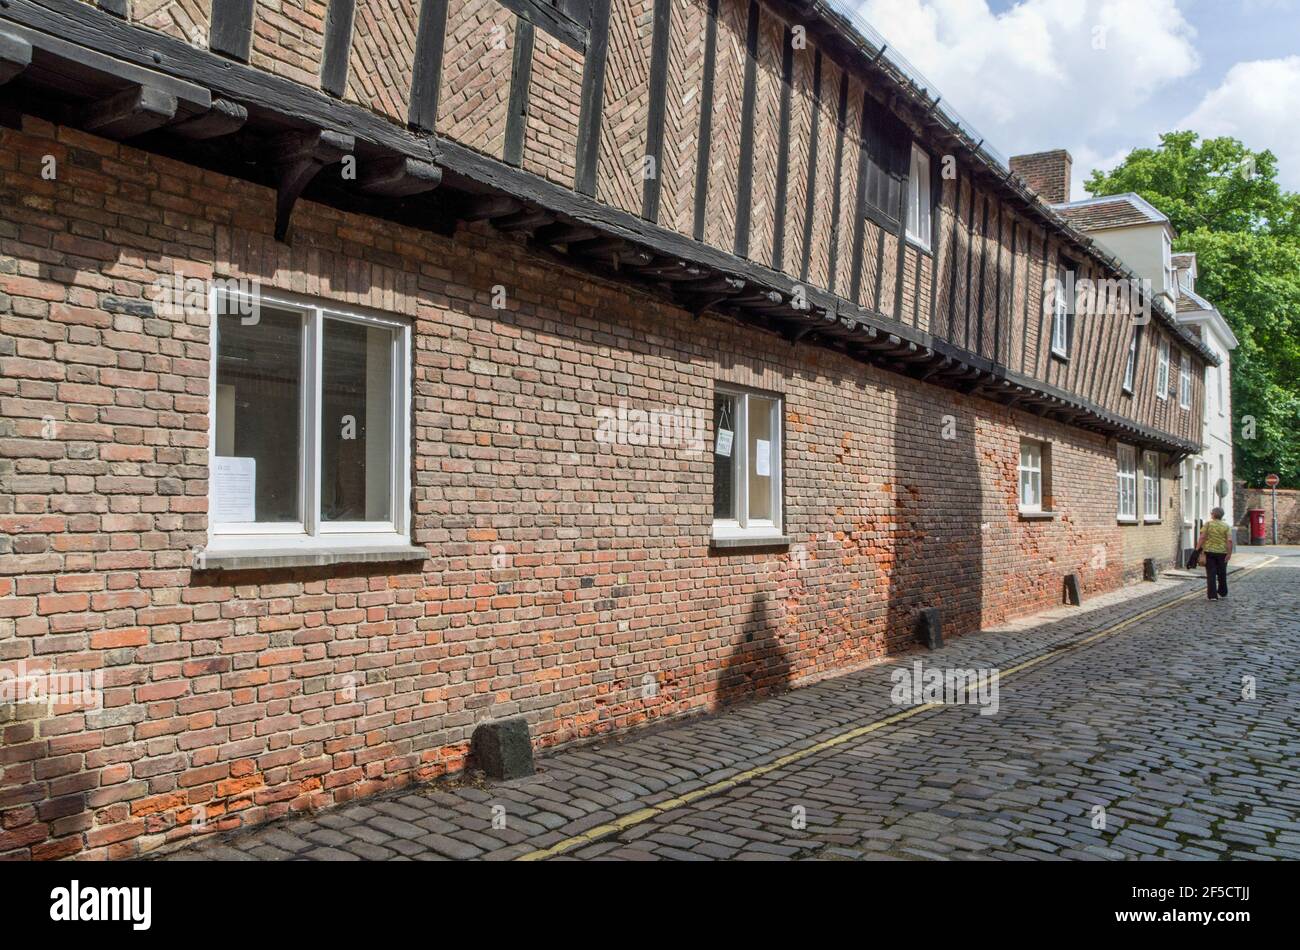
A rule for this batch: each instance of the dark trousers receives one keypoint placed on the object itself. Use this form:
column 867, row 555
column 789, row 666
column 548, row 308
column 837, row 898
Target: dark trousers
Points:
column 1216, row 575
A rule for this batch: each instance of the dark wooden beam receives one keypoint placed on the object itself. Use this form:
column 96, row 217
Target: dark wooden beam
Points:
column 811, row 194
column 521, row 74
column 399, row 177
column 563, row 233
column 783, row 150
column 297, row 158
column 115, row 7
column 654, row 136
column 524, row 220
column 482, row 207
column 126, row 114
column 745, row 178
column 703, row 152
column 231, row 32
column 426, row 73
column 901, row 261
column 225, row 118
column 15, row 56
column 841, row 121
column 860, row 199
column 338, row 46
column 593, row 95
column 554, row 20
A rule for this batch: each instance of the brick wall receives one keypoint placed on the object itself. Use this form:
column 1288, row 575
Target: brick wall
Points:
column 1047, row 173
column 563, row 573
column 1288, row 513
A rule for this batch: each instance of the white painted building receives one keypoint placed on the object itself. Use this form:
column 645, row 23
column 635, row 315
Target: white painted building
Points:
column 1142, row 237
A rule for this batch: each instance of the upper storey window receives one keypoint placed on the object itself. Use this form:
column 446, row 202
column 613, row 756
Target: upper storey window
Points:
column 918, row 198
column 887, row 146
column 1063, row 314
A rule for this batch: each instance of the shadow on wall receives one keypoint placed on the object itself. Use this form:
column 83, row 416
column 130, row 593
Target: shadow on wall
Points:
column 931, row 537
column 759, row 664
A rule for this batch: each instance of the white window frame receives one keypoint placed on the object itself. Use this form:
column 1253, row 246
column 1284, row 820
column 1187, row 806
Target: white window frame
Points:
column 1033, row 468
column 741, row 527
column 1061, row 309
column 1126, row 483
column 1184, row 381
column 1162, row 371
column 1171, row 276
column 1150, row 487
column 1130, row 367
column 920, row 220
column 311, row 532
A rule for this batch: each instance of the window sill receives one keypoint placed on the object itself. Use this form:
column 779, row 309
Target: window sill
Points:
column 1152, row 520
column 1127, row 521
column 750, row 541
column 245, row 556
column 1037, row 515
column 1058, row 355
column 919, row 245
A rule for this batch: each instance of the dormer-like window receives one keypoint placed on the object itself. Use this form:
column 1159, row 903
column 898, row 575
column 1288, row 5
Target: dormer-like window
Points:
column 1171, row 283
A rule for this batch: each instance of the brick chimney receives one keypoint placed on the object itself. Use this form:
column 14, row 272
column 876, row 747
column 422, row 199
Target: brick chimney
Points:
column 1047, row 173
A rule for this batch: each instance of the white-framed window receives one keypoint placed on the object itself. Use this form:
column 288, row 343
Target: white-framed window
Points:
column 1186, row 480
column 1150, row 486
column 1218, row 388
column 309, row 441
column 1063, row 313
column 919, row 218
column 1130, row 367
column 1171, row 282
column 747, row 433
column 1033, row 475
column 1126, row 482
column 1184, row 381
column 1162, row 371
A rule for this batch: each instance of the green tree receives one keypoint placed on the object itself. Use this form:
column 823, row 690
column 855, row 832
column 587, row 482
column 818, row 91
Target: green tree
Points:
column 1228, row 208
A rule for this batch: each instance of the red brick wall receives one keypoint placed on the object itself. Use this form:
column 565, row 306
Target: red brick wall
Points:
column 382, row 57
column 288, row 38
column 187, row 19
column 561, row 573
column 474, row 98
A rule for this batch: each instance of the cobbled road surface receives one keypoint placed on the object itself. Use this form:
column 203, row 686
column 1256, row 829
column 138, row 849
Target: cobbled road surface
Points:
column 1177, row 736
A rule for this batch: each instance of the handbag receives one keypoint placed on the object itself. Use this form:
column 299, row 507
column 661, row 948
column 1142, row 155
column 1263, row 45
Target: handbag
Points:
column 1194, row 559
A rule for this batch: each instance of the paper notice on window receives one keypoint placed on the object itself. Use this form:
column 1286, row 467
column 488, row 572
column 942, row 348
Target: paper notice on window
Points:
column 763, row 458
column 723, row 446
column 234, row 489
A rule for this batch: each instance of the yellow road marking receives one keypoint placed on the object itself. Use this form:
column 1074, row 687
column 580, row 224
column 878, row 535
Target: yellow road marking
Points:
column 631, row 819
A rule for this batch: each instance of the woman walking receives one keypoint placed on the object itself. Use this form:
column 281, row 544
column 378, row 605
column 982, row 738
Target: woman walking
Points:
column 1216, row 544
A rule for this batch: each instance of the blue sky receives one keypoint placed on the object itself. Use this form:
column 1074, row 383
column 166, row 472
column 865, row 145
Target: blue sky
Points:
column 1100, row 77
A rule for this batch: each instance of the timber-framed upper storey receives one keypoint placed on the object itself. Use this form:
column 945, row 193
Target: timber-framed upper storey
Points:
column 756, row 159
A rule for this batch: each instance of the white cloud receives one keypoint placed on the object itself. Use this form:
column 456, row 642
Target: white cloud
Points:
column 1045, row 73
column 1257, row 102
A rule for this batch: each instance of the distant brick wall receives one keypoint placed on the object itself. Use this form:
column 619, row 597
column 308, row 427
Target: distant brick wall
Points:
column 1288, row 512
column 563, row 573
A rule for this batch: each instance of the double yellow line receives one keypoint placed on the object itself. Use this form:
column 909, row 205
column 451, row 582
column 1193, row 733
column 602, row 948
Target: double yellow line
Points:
column 641, row 815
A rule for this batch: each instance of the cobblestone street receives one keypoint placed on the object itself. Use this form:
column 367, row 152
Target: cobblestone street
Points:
column 1174, row 736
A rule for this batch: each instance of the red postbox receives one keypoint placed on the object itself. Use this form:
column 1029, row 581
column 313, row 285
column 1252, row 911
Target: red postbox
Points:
column 1257, row 532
